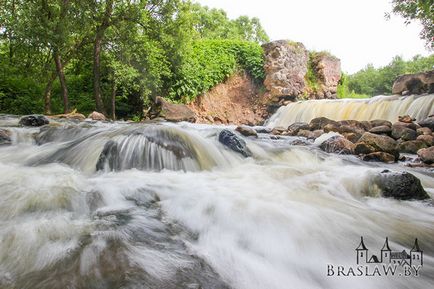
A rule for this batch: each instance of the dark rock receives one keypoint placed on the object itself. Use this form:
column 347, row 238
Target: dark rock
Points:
column 426, row 155
column 263, row 129
column 362, row 125
column 362, row 148
column 428, row 122
column 380, row 122
column 382, row 129
column 247, row 131
column 34, row 120
column 428, row 139
column 338, row 145
column 234, row 142
column 321, row 122
column 406, row 119
column 379, row 157
column 380, row 143
column 294, row 128
column 352, row 137
column 402, row 132
column 109, row 157
column 5, row 137
column 414, row 83
column 412, row 146
column 400, row 185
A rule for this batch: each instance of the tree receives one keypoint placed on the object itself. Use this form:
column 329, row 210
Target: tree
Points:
column 422, row 10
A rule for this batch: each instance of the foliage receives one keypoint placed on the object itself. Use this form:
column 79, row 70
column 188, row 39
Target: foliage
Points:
column 212, row 61
column 422, row 10
column 378, row 81
column 344, row 92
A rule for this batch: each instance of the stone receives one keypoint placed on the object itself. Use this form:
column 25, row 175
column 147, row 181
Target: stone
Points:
column 5, row 137
column 424, row 131
column 410, row 125
column 278, row 130
column 406, row 119
column 294, row 128
column 380, row 143
column 428, row 122
column 74, row 115
column 428, row 139
column 327, row 69
column 417, row 83
column 317, row 133
column 299, row 142
column 338, row 145
column 411, row 146
column 109, row 158
column 174, row 112
column 362, row 148
column 246, row 131
column 382, row 129
column 97, row 116
column 263, row 129
column 306, row 133
column 285, row 68
column 400, row 186
column 34, row 120
column 352, row 137
column 402, row 132
column 426, row 155
column 379, row 157
column 380, row 122
column 235, row 143
column 321, row 122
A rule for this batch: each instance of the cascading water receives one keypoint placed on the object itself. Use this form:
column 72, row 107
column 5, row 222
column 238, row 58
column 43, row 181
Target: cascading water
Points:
column 168, row 206
column 379, row 107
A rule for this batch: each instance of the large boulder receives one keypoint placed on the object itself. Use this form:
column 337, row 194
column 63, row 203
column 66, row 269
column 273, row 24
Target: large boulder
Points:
column 380, row 143
column 34, row 120
column 97, row 116
column 234, row 142
column 399, row 185
column 426, row 155
column 414, row 83
column 285, row 67
column 403, row 132
column 428, row 139
column 321, row 122
column 338, row 145
column 428, row 122
column 327, row 69
column 174, row 112
column 5, row 137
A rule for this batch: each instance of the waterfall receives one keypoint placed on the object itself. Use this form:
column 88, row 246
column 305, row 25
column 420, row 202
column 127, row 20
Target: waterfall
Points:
column 379, row 107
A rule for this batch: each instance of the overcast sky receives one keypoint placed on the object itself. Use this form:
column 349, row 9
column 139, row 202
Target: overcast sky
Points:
column 353, row 30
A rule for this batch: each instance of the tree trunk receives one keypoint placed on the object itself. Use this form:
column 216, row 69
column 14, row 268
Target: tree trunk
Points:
column 97, row 72
column 113, row 98
column 47, row 93
column 61, row 74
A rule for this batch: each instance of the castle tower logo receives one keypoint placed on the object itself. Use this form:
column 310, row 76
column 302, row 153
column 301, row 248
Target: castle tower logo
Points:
column 386, row 263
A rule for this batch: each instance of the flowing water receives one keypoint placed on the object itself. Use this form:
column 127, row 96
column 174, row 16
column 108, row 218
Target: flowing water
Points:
column 119, row 205
column 379, row 107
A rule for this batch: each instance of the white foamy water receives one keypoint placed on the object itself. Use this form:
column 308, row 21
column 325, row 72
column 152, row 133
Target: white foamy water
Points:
column 176, row 209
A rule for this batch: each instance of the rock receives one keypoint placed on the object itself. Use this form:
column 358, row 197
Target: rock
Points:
column 380, row 122
column 382, row 129
column 34, row 120
column 299, row 142
column 321, row 122
column 406, row 119
column 380, row 143
column 5, row 137
column 402, row 132
column 174, row 112
column 74, row 115
column 234, row 142
column 278, row 130
column 410, row 125
column 355, row 124
column 352, row 137
column 294, row 128
column 428, row 122
column 109, row 157
column 400, row 185
column 263, row 129
column 247, row 131
column 426, row 155
column 338, row 145
column 317, row 133
column 379, row 157
column 327, row 69
column 362, row 148
column 424, row 131
column 97, row 116
column 285, row 68
column 428, row 139
column 412, row 146
column 414, row 83
column 306, row 133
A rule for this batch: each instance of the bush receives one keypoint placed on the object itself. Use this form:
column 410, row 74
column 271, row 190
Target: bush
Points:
column 211, row 62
